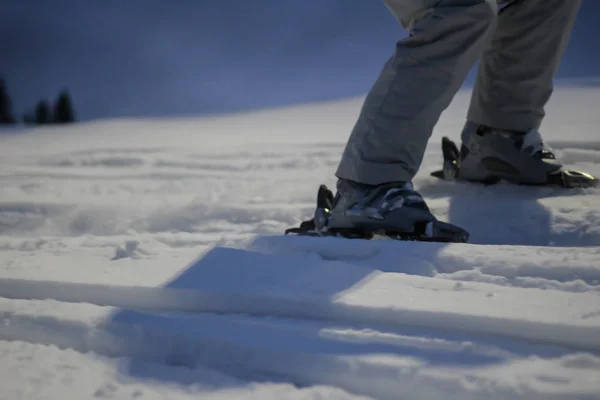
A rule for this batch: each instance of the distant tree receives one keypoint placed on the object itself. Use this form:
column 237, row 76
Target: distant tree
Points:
column 6, row 114
column 42, row 113
column 29, row 118
column 63, row 109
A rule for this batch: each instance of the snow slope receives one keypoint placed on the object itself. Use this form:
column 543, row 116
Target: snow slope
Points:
column 144, row 259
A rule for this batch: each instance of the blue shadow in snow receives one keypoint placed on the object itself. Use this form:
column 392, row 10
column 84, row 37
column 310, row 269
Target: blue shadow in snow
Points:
column 507, row 214
column 275, row 349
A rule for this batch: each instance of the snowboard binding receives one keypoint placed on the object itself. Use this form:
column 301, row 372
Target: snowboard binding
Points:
column 564, row 178
column 426, row 231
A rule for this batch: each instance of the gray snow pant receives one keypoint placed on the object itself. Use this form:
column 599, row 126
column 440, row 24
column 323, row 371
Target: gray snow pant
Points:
column 520, row 50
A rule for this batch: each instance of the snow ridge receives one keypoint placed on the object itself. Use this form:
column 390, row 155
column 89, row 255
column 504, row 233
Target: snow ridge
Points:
column 181, row 300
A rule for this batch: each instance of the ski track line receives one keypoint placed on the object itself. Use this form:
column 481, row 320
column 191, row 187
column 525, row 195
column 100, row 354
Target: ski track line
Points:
column 358, row 375
column 195, row 301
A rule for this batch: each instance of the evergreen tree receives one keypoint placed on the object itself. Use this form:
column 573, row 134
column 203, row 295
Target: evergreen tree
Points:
column 63, row 109
column 6, row 114
column 42, row 113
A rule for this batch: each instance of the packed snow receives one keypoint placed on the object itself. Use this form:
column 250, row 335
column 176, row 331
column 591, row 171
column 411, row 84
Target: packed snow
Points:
column 146, row 259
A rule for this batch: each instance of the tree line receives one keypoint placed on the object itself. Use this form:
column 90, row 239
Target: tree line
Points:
column 59, row 112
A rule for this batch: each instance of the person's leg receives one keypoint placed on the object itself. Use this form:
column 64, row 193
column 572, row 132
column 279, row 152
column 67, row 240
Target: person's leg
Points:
column 385, row 149
column 501, row 137
column 416, row 85
column 514, row 80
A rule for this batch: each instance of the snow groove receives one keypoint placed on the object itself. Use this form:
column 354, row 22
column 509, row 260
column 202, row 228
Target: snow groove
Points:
column 359, row 375
column 582, row 337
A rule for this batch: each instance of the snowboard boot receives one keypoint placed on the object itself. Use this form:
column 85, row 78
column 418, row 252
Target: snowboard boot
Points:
column 394, row 210
column 489, row 155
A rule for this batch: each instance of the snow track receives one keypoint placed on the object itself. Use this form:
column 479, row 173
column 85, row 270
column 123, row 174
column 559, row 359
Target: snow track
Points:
column 376, row 377
column 575, row 336
column 343, row 335
column 359, row 360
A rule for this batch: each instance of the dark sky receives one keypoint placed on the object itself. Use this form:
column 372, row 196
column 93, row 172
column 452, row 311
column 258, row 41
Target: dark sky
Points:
column 158, row 57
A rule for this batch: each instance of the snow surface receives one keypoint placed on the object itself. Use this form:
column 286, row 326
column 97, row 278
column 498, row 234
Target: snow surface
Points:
column 144, row 259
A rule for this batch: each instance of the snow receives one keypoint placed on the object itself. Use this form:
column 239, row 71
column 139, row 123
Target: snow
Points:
column 145, row 259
